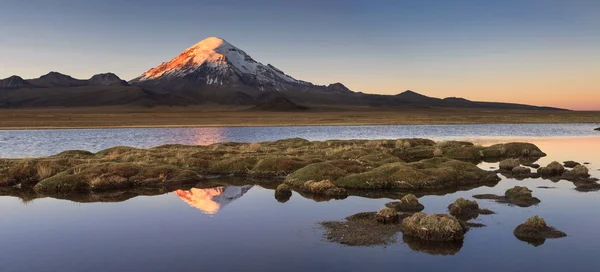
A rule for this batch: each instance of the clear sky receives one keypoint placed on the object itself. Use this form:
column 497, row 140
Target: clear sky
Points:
column 544, row 52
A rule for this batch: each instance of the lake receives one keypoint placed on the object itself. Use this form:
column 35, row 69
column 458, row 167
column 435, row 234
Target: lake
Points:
column 225, row 228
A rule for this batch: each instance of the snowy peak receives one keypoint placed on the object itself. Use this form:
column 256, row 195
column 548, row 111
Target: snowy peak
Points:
column 214, row 61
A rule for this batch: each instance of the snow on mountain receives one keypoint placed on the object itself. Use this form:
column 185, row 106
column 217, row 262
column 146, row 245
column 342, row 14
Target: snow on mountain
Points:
column 214, row 61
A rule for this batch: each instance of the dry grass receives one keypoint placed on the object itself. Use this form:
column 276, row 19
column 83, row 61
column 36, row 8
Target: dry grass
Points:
column 199, row 116
column 44, row 171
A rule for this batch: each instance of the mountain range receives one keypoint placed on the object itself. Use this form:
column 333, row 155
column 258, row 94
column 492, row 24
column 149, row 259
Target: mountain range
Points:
column 211, row 71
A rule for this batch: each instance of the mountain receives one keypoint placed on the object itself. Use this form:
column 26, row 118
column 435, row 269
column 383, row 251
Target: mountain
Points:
column 213, row 71
column 338, row 87
column 107, row 79
column 215, row 62
column 55, row 79
column 59, row 90
column 14, row 82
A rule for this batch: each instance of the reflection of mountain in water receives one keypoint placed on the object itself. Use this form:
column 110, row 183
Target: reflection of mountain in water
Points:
column 211, row 200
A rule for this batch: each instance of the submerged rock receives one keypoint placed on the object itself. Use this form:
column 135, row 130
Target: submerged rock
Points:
column 536, row 231
column 518, row 195
column 283, row 193
column 361, row 229
column 325, row 188
column 466, row 209
column 434, row 227
column 408, row 203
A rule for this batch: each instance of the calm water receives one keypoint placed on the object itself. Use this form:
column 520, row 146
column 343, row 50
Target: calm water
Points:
column 34, row 143
column 245, row 228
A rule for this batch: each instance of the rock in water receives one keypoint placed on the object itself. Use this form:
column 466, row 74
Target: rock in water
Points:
column 466, row 209
column 536, row 231
column 509, row 164
column 553, row 169
column 408, row 203
column 387, row 215
column 519, row 195
column 434, row 227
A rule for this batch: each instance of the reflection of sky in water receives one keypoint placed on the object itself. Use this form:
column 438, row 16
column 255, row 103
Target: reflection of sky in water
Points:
column 255, row 232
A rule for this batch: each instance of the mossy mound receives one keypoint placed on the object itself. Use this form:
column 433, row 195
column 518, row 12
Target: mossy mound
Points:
column 405, row 164
column 111, row 176
column 465, row 210
column 387, row 215
column 509, row 164
column 283, row 193
column 518, row 195
column 434, row 227
column 414, row 153
column 78, row 154
column 520, row 173
column 353, row 153
column 378, row 159
column 278, row 165
column 521, row 170
column 579, row 171
column 27, row 173
column 315, row 171
column 324, row 188
column 464, row 153
column 408, row 203
column 430, row 174
column 512, row 150
column 536, row 231
column 361, row 229
column 552, row 169
column 233, row 166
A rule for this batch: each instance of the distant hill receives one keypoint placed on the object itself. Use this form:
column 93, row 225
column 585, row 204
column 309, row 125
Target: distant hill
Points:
column 279, row 104
column 211, row 71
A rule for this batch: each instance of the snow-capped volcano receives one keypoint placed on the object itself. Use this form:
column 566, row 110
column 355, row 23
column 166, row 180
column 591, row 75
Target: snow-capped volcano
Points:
column 213, row 61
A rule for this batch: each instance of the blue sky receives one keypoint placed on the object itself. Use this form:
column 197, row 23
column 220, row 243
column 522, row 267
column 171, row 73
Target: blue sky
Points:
column 539, row 52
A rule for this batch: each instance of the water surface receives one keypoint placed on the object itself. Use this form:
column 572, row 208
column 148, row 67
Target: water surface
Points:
column 227, row 228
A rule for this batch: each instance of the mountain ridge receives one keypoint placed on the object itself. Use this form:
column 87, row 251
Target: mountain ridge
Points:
column 211, row 71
